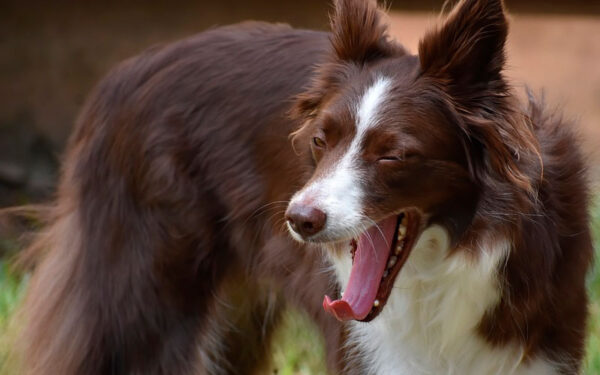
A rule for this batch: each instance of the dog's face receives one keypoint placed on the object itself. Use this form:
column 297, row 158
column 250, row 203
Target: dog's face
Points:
column 381, row 144
column 399, row 142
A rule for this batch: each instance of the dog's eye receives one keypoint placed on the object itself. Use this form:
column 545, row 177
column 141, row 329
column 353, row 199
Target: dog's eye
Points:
column 389, row 159
column 319, row 142
column 398, row 158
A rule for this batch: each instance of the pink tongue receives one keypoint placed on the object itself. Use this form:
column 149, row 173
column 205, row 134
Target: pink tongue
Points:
column 370, row 261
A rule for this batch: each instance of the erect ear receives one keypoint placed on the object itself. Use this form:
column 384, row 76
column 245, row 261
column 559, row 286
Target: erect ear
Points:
column 469, row 47
column 358, row 32
column 466, row 56
column 358, row 37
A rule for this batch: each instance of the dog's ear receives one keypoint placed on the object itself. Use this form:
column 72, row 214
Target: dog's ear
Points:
column 469, row 47
column 358, row 33
column 466, row 56
column 358, row 37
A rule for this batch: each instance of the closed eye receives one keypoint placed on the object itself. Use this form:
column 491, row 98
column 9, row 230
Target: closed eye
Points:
column 398, row 158
column 389, row 158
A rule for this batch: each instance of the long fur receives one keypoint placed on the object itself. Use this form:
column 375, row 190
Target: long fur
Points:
column 166, row 252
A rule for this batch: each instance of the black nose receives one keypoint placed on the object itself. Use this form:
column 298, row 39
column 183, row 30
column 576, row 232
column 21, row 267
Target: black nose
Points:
column 305, row 220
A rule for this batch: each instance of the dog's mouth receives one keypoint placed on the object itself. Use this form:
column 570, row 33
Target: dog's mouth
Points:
column 377, row 258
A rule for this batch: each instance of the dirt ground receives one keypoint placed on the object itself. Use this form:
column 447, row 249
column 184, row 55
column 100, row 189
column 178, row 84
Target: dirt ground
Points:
column 555, row 53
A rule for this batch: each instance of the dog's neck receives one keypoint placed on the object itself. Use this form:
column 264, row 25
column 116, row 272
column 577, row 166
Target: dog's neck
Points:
column 430, row 323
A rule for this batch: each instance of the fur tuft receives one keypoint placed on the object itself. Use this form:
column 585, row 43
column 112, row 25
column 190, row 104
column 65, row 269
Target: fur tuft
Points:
column 358, row 33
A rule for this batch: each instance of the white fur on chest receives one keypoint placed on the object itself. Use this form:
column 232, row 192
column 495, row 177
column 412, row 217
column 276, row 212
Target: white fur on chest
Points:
column 429, row 323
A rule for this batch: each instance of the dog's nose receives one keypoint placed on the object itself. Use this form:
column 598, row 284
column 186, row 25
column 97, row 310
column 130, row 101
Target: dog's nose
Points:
column 305, row 220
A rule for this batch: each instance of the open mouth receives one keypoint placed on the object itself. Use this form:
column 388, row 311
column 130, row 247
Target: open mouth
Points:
column 377, row 258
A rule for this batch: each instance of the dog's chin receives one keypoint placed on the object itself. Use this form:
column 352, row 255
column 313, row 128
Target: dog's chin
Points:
column 378, row 255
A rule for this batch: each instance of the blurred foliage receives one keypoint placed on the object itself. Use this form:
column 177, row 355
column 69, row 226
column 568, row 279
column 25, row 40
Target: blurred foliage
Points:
column 297, row 347
column 593, row 346
column 12, row 287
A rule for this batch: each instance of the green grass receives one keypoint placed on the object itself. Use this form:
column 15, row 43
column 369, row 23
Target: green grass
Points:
column 11, row 290
column 592, row 363
column 298, row 348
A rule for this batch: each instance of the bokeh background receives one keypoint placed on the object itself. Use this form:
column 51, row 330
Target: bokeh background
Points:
column 53, row 52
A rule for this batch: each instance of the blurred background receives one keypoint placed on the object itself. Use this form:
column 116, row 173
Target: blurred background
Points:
column 53, row 52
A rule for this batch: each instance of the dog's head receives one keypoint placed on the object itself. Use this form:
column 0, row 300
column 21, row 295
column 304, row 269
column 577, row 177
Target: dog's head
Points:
column 399, row 142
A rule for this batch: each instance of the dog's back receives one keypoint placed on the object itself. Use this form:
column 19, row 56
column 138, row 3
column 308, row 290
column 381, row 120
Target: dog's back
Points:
column 163, row 239
column 167, row 251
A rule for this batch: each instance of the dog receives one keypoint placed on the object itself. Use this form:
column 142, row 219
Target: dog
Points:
column 424, row 218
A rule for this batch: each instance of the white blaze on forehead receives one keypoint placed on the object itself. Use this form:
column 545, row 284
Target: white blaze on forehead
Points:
column 369, row 106
column 339, row 192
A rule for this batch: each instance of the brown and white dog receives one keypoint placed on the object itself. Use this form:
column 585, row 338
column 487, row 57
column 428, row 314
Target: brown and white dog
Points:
column 454, row 218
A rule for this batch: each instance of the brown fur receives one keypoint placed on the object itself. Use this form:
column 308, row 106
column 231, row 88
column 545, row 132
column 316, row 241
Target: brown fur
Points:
column 166, row 251
column 163, row 200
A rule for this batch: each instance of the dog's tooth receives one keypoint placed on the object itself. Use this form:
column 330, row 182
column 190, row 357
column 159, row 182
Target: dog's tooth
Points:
column 342, row 293
column 376, row 303
column 385, row 274
column 402, row 231
column 392, row 261
column 399, row 247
